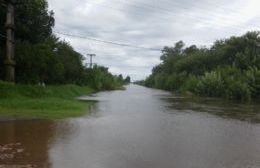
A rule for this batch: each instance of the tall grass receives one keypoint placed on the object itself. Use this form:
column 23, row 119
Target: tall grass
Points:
column 51, row 102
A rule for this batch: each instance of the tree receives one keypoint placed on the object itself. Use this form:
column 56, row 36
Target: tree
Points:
column 33, row 20
column 127, row 80
column 230, row 68
column 169, row 52
column 33, row 25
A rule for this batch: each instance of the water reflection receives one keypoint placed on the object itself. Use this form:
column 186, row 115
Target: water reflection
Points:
column 223, row 108
column 26, row 143
column 139, row 128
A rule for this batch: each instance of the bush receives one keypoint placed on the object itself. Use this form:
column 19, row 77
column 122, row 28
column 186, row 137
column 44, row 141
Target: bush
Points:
column 238, row 90
column 190, row 84
column 211, row 84
column 230, row 68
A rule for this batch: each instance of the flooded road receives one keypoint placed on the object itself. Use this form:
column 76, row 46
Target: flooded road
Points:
column 139, row 128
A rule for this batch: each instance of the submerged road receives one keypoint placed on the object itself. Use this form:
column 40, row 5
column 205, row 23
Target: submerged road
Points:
column 139, row 128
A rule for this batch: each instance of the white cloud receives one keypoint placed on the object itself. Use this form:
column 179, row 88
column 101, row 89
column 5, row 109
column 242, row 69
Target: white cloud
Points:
column 149, row 23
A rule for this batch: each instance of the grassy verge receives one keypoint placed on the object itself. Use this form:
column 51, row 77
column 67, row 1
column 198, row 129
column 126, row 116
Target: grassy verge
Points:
column 51, row 102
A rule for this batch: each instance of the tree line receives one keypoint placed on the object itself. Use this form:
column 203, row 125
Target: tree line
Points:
column 41, row 57
column 230, row 68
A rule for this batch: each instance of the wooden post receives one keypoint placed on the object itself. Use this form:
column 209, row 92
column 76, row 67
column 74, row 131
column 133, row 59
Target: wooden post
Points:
column 9, row 60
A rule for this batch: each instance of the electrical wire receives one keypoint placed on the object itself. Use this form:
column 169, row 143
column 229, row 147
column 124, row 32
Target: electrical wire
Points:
column 223, row 23
column 107, row 42
column 169, row 12
column 193, row 5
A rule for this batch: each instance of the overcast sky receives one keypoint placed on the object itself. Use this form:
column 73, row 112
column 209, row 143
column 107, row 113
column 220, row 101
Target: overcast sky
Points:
column 149, row 24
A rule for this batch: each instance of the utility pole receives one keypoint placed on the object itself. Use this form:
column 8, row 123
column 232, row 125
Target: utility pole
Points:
column 9, row 60
column 91, row 55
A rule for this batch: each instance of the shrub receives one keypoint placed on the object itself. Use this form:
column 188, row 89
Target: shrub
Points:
column 238, row 90
column 190, row 84
column 211, row 84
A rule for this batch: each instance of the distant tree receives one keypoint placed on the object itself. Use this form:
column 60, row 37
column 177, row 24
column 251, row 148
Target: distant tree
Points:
column 230, row 68
column 169, row 52
column 120, row 77
column 42, row 57
column 127, row 79
column 191, row 50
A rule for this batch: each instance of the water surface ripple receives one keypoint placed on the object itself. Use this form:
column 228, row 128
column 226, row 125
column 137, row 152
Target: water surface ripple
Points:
column 139, row 128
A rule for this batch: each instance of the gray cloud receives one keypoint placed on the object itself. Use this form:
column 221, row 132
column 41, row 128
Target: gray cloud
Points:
column 149, row 23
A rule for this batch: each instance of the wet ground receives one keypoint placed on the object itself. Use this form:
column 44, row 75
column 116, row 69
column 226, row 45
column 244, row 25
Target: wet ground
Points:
column 139, row 128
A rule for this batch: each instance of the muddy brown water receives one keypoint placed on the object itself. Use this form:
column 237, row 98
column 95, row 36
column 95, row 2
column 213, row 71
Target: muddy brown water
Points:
column 139, row 128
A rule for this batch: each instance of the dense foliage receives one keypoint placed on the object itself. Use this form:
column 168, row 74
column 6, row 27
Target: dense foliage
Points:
column 229, row 69
column 42, row 58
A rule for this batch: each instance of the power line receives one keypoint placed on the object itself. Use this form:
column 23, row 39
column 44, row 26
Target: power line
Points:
column 169, row 12
column 237, row 28
column 200, row 20
column 165, row 11
column 107, row 42
column 179, row 6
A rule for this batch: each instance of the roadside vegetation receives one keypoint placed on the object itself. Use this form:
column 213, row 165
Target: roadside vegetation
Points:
column 38, row 102
column 230, row 69
column 49, row 72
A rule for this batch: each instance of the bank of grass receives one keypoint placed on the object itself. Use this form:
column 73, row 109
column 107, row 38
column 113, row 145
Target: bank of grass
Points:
column 50, row 102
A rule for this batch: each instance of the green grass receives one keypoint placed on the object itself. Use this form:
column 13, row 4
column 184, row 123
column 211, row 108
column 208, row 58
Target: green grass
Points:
column 51, row 102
